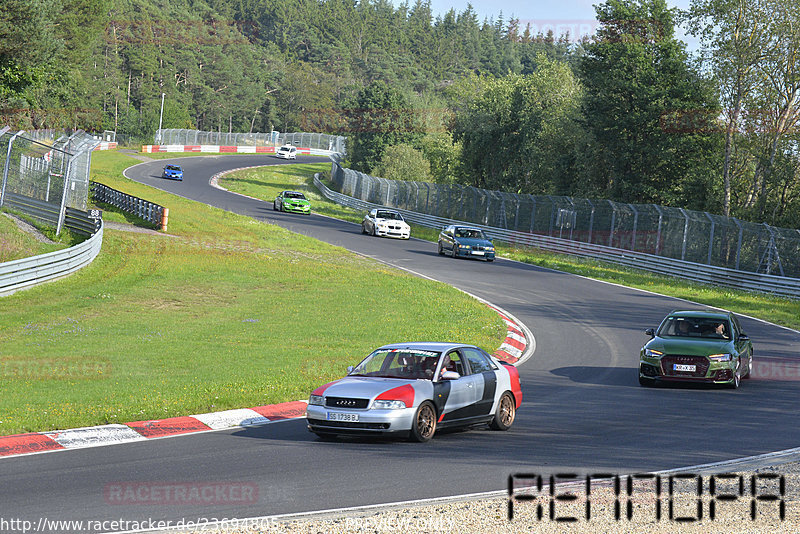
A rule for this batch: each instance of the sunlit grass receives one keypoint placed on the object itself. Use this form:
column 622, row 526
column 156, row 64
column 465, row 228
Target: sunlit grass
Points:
column 228, row 313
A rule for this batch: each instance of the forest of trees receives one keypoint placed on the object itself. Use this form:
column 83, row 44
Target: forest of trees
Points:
column 627, row 114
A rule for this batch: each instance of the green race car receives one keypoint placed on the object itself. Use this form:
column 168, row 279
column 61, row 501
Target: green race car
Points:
column 697, row 346
column 293, row 201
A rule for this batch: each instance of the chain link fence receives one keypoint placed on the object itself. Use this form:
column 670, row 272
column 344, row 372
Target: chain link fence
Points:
column 47, row 165
column 676, row 233
column 333, row 143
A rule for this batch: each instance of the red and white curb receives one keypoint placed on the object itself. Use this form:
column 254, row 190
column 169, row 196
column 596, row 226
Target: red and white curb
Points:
column 517, row 346
column 94, row 436
column 216, row 149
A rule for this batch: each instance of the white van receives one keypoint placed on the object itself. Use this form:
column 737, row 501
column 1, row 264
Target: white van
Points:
column 287, row 152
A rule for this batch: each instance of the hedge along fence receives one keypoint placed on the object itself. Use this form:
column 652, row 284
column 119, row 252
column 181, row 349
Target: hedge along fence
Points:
column 152, row 213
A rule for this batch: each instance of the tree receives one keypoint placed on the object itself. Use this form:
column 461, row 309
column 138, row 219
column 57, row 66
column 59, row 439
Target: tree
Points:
column 380, row 119
column 404, row 162
column 635, row 73
column 735, row 34
column 519, row 133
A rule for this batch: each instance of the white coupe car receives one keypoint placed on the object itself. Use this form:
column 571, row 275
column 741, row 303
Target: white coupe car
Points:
column 388, row 223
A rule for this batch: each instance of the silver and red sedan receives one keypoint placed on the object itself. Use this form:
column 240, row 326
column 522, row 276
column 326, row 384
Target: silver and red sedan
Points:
column 413, row 389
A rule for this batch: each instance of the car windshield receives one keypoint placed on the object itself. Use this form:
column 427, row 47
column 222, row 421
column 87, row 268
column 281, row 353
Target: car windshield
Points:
column 172, row 168
column 408, row 364
column 389, row 215
column 285, row 149
column 470, row 233
column 702, row 327
column 295, row 195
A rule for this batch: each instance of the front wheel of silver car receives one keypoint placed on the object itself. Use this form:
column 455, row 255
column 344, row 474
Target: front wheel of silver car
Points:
column 454, row 251
column 363, row 228
column 424, row 425
column 505, row 414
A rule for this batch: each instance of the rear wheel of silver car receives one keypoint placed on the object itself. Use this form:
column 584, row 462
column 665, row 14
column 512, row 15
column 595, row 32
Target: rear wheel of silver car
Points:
column 505, row 414
column 363, row 228
column 424, row 425
column 441, row 250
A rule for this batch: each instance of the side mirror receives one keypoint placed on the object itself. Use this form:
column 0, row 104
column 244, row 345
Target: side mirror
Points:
column 650, row 332
column 350, row 369
column 450, row 375
column 744, row 337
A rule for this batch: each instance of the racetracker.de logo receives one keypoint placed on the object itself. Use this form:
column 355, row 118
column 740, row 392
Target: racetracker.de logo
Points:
column 180, row 493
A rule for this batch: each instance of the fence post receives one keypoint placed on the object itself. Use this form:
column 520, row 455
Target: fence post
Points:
column 685, row 233
column 635, row 224
column 710, row 237
column 591, row 220
column 658, row 233
column 8, row 162
column 613, row 222
column 62, row 211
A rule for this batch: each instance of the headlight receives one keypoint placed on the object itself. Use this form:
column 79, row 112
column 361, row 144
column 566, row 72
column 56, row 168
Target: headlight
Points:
column 316, row 400
column 388, row 405
column 650, row 353
column 490, row 249
column 720, row 357
column 463, row 246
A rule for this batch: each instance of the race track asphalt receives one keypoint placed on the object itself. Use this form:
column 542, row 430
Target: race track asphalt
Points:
column 583, row 410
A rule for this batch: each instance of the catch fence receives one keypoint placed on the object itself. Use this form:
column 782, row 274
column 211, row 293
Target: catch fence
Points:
column 172, row 136
column 46, row 166
column 675, row 233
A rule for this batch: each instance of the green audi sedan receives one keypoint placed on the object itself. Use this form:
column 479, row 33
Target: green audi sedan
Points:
column 696, row 346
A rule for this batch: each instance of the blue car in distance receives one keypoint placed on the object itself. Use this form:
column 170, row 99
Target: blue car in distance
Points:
column 466, row 241
column 173, row 172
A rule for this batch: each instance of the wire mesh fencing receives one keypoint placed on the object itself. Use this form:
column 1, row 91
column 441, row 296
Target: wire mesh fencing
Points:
column 677, row 233
column 48, row 166
column 319, row 141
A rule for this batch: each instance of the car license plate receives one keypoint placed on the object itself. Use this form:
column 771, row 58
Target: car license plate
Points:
column 680, row 367
column 338, row 416
column 477, row 253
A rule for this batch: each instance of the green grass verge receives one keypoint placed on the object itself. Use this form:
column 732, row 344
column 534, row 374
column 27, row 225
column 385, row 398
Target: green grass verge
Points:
column 265, row 182
column 230, row 313
column 16, row 244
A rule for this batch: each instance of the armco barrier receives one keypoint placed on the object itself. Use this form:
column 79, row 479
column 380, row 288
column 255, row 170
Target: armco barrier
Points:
column 152, row 213
column 27, row 272
column 221, row 149
column 76, row 220
column 706, row 274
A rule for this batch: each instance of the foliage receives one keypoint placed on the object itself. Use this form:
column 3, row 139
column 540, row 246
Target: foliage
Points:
column 404, row 162
column 635, row 73
column 520, row 132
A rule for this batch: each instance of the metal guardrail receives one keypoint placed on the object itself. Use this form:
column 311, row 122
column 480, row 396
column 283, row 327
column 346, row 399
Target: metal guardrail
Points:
column 150, row 212
column 706, row 274
column 27, row 272
column 82, row 222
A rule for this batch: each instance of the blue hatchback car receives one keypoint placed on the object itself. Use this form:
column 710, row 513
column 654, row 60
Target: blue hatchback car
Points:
column 466, row 241
column 173, row 172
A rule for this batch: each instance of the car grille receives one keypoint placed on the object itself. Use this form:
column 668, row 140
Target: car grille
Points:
column 700, row 362
column 346, row 402
column 350, row 425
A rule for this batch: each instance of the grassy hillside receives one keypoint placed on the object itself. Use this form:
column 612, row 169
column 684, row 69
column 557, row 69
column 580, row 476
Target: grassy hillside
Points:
column 227, row 312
